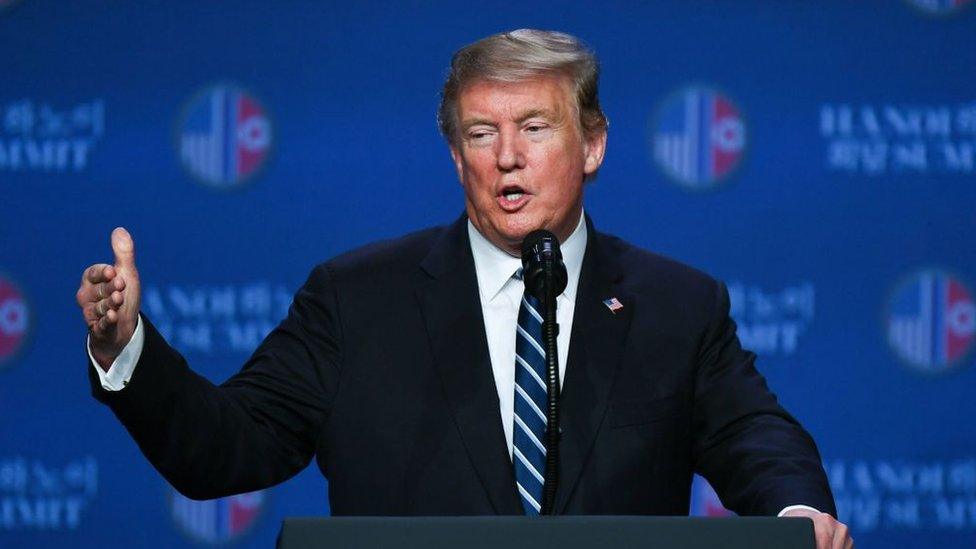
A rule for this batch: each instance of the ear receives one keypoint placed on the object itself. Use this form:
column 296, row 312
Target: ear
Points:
column 594, row 148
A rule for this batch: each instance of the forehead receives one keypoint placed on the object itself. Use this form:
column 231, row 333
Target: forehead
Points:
column 510, row 99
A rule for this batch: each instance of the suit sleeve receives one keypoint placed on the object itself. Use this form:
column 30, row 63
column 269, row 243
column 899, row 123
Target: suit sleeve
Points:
column 756, row 455
column 258, row 428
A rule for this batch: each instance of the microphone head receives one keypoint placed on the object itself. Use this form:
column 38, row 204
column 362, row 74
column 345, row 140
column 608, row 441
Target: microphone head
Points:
column 539, row 240
column 540, row 251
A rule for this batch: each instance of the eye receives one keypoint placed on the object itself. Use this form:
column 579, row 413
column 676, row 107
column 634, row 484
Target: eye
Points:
column 480, row 135
column 537, row 131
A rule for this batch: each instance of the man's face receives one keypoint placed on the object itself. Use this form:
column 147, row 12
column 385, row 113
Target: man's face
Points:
column 522, row 159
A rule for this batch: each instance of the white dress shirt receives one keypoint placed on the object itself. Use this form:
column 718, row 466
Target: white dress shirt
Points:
column 501, row 295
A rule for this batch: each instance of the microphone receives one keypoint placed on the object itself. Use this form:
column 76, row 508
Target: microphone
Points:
column 545, row 278
column 540, row 252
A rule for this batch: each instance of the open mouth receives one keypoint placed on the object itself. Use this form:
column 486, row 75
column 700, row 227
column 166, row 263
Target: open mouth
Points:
column 512, row 197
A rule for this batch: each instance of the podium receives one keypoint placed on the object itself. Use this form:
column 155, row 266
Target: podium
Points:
column 560, row 532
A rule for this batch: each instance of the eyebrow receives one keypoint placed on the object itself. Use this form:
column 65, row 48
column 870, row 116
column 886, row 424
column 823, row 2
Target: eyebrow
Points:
column 542, row 113
column 550, row 114
column 469, row 123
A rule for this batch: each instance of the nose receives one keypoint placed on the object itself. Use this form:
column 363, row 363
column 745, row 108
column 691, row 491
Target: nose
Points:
column 509, row 155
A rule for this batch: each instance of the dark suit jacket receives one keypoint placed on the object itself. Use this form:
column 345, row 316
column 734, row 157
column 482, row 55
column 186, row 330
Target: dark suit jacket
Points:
column 381, row 371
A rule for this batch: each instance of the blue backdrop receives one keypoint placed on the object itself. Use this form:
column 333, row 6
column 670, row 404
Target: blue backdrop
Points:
column 820, row 157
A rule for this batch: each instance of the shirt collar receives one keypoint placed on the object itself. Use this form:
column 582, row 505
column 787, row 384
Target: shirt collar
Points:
column 495, row 266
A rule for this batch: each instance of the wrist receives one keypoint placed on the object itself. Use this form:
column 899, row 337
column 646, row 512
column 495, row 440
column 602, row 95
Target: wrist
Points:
column 103, row 359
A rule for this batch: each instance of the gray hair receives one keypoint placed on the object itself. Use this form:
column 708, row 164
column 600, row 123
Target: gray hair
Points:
column 521, row 55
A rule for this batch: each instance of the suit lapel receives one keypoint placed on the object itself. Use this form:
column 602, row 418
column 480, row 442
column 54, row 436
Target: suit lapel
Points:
column 451, row 307
column 598, row 338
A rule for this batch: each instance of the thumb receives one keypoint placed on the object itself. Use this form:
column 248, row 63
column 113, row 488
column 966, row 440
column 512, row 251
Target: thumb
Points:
column 124, row 248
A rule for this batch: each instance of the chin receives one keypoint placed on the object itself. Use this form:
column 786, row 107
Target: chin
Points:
column 519, row 225
column 516, row 235
column 509, row 241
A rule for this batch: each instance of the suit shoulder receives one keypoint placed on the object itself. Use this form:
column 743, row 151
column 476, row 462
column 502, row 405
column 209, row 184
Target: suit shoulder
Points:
column 684, row 295
column 642, row 268
column 389, row 257
column 638, row 261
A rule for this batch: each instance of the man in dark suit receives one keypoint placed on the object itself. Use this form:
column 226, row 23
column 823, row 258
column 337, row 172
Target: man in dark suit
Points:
column 396, row 360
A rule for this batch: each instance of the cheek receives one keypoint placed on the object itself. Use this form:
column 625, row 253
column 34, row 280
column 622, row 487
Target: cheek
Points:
column 566, row 156
column 564, row 169
column 479, row 171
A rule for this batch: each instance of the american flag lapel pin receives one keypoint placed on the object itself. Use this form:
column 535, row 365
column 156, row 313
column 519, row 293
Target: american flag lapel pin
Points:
column 613, row 304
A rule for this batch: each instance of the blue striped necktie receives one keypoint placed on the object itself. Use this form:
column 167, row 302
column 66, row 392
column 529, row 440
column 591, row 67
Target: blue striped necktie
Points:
column 529, row 449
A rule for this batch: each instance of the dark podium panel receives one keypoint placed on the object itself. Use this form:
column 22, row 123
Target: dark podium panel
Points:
column 563, row 532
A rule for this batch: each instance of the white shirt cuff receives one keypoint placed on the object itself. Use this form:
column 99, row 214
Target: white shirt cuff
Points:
column 118, row 375
column 791, row 507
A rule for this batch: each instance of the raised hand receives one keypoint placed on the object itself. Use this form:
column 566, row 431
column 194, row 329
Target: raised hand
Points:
column 109, row 300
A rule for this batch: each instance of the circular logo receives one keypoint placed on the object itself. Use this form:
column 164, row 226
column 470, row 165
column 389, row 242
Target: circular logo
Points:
column 931, row 321
column 217, row 520
column 14, row 320
column 225, row 136
column 938, row 7
column 699, row 137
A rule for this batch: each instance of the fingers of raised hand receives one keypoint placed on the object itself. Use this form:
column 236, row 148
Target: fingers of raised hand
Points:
column 106, row 289
column 109, row 320
column 100, row 272
column 100, row 326
column 124, row 248
column 109, row 304
column 102, row 314
column 93, row 292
